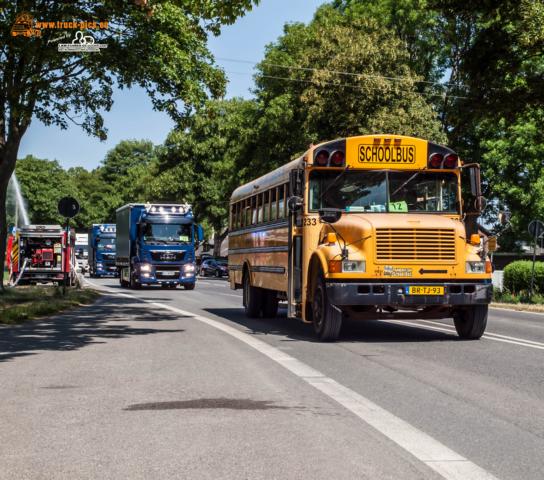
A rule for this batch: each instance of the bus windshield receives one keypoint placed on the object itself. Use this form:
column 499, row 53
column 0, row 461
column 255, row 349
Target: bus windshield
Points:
column 105, row 244
column 167, row 233
column 384, row 191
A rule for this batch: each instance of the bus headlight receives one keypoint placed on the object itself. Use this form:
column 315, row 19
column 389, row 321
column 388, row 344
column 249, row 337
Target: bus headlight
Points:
column 475, row 267
column 353, row 266
column 189, row 267
column 145, row 267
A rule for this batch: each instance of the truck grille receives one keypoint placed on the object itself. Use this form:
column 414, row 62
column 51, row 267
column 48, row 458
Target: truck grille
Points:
column 165, row 256
column 415, row 244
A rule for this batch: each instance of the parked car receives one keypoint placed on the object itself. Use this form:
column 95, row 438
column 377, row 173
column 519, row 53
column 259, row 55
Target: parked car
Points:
column 214, row 267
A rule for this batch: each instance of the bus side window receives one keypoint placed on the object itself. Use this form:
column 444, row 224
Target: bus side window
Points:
column 248, row 212
column 260, row 208
column 237, row 215
column 266, row 206
column 282, row 204
column 273, row 204
column 254, row 209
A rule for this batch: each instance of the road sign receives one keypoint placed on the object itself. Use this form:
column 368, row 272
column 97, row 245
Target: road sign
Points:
column 536, row 229
column 68, row 207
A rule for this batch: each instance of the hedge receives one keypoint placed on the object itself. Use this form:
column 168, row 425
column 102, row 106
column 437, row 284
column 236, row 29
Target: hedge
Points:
column 517, row 276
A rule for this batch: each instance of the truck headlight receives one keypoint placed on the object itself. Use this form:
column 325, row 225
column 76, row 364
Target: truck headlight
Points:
column 475, row 267
column 99, row 264
column 189, row 267
column 353, row 266
column 145, row 267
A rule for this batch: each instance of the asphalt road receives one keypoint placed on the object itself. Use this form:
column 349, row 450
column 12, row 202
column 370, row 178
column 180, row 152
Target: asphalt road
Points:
column 179, row 384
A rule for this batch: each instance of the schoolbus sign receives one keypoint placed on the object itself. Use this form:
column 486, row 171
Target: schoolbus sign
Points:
column 384, row 151
column 369, row 153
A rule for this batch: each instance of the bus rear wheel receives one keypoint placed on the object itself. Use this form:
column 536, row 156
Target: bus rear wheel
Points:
column 252, row 297
column 326, row 319
column 470, row 322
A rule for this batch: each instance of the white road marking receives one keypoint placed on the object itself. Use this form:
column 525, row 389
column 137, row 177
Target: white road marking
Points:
column 435, row 455
column 516, row 311
column 488, row 336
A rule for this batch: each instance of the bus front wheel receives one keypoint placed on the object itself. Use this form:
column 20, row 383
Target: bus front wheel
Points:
column 252, row 297
column 326, row 319
column 470, row 322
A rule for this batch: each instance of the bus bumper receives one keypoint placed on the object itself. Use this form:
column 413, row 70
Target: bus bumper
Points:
column 351, row 294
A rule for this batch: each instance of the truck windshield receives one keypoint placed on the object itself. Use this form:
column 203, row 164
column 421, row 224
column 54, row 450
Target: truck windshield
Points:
column 385, row 191
column 105, row 244
column 167, row 233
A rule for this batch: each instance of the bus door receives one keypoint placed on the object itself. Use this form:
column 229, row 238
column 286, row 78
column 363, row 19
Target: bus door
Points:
column 294, row 269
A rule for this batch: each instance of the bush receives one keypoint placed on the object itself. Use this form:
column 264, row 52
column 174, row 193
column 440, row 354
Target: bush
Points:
column 517, row 276
column 522, row 297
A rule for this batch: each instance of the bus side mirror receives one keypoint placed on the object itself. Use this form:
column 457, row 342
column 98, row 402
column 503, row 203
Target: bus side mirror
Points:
column 330, row 215
column 294, row 203
column 296, row 182
column 476, row 186
column 199, row 233
column 492, row 244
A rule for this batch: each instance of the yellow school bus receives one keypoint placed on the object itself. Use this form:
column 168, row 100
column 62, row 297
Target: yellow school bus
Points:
column 366, row 227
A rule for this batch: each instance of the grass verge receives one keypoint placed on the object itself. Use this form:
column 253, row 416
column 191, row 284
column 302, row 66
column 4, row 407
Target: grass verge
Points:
column 518, row 301
column 27, row 303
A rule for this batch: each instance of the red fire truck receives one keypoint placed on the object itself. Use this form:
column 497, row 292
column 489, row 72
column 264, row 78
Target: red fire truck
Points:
column 41, row 253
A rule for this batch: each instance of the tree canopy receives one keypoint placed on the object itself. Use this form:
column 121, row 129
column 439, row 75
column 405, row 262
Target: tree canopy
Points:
column 161, row 47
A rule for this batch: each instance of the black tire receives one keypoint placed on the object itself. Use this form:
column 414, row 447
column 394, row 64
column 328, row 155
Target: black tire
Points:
column 202, row 272
column 253, row 298
column 218, row 274
column 326, row 319
column 133, row 283
column 189, row 286
column 470, row 322
column 270, row 304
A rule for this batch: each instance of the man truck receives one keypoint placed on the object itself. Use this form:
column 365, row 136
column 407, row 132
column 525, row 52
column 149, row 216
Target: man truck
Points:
column 102, row 250
column 156, row 245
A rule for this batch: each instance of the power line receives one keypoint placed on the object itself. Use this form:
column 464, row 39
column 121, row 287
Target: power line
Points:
column 339, row 72
column 318, row 82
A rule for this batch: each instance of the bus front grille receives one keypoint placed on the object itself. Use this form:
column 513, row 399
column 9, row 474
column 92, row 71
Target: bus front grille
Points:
column 415, row 244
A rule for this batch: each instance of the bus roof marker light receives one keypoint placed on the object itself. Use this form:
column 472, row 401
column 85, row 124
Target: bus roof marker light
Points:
column 435, row 160
column 451, row 160
column 337, row 159
column 322, row 158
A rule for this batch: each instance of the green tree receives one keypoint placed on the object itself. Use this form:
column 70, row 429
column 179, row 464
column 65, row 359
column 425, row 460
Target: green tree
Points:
column 514, row 167
column 159, row 46
column 43, row 184
column 201, row 164
column 95, row 196
column 127, row 170
column 341, row 75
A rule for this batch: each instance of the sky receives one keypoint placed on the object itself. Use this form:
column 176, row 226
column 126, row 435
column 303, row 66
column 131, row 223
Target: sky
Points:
column 132, row 116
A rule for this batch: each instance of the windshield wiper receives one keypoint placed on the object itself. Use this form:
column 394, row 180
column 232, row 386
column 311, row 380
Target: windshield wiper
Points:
column 405, row 183
column 334, row 182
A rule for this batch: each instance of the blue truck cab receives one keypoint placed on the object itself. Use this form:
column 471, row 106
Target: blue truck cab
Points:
column 101, row 248
column 156, row 245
